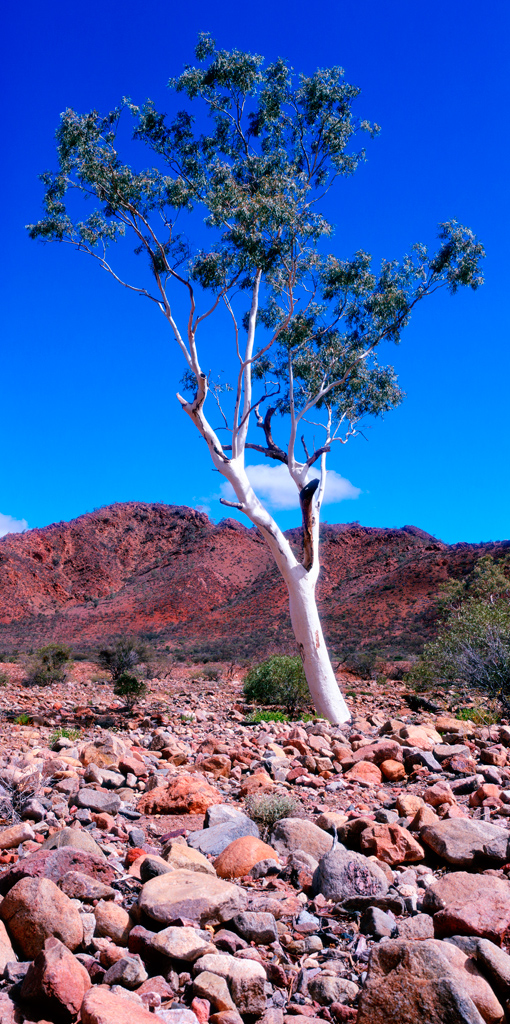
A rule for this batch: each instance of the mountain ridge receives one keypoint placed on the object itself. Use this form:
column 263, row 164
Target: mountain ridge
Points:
column 166, row 572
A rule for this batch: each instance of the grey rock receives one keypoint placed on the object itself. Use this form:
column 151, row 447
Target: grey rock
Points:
column 291, row 834
column 258, row 928
column 326, row 990
column 377, row 923
column 33, row 810
column 216, row 839
column 413, row 756
column 264, row 868
column 98, row 800
column 76, row 837
column 386, row 817
column 466, row 843
column 446, row 750
column 466, row 785
column 152, row 866
column 343, row 874
column 495, row 962
column 136, row 837
column 183, row 943
column 201, row 898
column 128, row 972
column 221, row 814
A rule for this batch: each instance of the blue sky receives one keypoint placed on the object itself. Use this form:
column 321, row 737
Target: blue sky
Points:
column 88, row 371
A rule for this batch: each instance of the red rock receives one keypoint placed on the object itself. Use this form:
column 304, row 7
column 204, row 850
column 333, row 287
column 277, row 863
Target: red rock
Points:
column 260, row 782
column 218, row 764
column 393, row 771
column 186, row 794
column 133, row 854
column 366, row 773
column 424, row 816
column 56, row 978
column 391, row 844
column 484, row 792
column 238, row 858
column 201, row 1008
column 104, row 821
column 470, row 904
column 496, row 755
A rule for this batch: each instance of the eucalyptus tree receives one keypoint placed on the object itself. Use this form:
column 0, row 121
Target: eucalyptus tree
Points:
column 255, row 167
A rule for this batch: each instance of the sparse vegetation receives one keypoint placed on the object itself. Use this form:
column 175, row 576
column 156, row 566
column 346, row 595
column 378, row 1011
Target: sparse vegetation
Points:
column 473, row 644
column 122, row 657
column 279, row 680
column 265, row 811
column 267, row 716
column 63, row 733
column 130, row 687
column 48, row 665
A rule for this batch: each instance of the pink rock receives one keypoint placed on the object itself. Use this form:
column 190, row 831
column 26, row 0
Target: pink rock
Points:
column 34, row 910
column 101, row 1006
column 438, row 794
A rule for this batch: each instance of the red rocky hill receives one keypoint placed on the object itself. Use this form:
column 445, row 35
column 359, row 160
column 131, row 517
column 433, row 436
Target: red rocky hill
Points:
column 168, row 574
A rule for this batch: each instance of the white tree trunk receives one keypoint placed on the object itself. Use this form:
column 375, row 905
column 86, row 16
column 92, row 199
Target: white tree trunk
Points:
column 320, row 677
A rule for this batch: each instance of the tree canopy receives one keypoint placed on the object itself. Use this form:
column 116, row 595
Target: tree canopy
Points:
column 256, row 170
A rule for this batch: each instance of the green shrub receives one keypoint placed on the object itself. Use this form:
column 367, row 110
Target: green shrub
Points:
column 129, row 687
column 473, row 643
column 63, row 733
column 267, row 716
column 49, row 665
column 265, row 811
column 279, row 680
column 4, row 678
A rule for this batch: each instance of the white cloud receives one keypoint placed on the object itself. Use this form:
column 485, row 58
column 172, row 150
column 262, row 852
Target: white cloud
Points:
column 274, row 485
column 10, row 525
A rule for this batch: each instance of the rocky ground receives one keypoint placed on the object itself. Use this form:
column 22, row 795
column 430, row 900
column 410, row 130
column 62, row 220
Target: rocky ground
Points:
column 135, row 887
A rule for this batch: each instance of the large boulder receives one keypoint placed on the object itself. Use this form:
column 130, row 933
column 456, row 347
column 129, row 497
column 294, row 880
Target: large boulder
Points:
column 422, row 981
column 467, row 843
column 470, row 904
column 35, row 910
column 291, row 834
column 201, row 898
column 56, row 863
column 342, row 875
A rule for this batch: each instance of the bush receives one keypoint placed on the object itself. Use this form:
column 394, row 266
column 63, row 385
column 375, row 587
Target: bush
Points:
column 265, row 811
column 49, row 665
column 124, row 656
column 129, row 687
column 279, row 680
column 473, row 643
